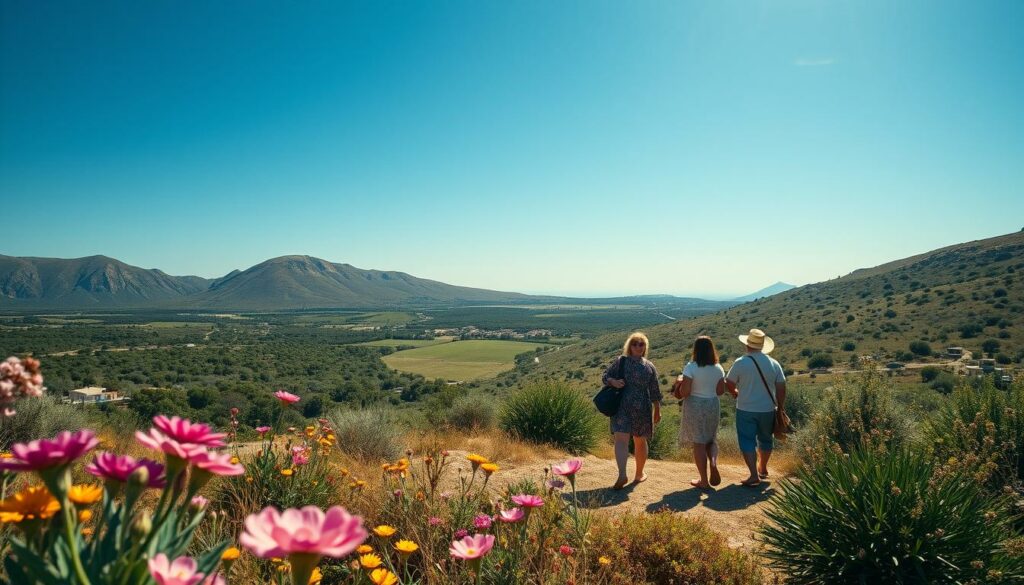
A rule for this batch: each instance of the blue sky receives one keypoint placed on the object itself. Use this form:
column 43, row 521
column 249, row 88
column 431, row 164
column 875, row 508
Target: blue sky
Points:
column 553, row 147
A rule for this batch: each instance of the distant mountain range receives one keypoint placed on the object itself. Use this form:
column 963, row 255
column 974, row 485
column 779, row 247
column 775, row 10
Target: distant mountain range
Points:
column 283, row 283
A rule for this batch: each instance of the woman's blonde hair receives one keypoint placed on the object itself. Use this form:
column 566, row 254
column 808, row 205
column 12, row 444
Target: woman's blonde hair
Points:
column 629, row 340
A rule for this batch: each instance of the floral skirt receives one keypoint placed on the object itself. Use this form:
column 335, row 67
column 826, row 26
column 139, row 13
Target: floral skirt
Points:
column 699, row 423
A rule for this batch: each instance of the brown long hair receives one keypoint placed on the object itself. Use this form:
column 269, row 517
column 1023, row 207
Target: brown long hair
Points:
column 704, row 353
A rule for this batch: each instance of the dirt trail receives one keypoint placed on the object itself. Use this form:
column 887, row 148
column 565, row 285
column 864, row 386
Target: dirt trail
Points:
column 732, row 509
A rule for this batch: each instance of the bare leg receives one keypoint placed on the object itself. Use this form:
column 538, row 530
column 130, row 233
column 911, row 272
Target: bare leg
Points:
column 762, row 468
column 712, row 449
column 621, row 455
column 751, row 460
column 640, row 452
column 700, row 457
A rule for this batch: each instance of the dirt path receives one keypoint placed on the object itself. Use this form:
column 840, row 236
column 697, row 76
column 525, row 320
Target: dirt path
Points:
column 731, row 509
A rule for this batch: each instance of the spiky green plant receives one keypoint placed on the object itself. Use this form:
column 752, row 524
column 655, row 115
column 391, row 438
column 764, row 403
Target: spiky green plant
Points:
column 555, row 414
column 896, row 518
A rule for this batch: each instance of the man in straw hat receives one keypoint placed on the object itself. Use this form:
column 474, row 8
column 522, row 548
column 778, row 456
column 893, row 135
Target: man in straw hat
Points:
column 757, row 383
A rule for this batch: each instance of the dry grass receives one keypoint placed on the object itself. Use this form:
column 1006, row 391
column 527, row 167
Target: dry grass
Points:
column 494, row 445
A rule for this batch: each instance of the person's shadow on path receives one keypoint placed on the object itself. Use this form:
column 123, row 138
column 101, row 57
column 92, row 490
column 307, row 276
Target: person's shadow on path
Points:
column 727, row 499
column 602, row 497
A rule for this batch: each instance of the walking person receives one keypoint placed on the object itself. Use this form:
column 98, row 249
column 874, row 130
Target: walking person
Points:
column 758, row 384
column 699, row 386
column 640, row 394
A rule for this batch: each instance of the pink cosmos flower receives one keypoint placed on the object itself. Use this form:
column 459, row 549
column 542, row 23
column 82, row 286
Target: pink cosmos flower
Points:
column 300, row 455
column 262, row 431
column 199, row 502
column 472, row 547
column 44, row 454
column 118, row 467
column 461, row 533
column 158, row 441
column 513, row 515
column 482, row 522
column 527, row 501
column 19, row 379
column 307, row 531
column 566, row 550
column 568, row 468
column 187, row 432
column 183, row 571
column 286, row 398
column 213, row 462
column 435, row 521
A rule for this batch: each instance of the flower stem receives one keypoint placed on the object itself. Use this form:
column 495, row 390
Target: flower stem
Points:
column 69, row 533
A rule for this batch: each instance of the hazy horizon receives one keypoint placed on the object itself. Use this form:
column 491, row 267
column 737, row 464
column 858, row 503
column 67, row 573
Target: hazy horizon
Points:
column 583, row 148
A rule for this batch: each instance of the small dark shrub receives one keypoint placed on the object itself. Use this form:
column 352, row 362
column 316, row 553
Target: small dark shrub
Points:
column 990, row 346
column 929, row 373
column 920, row 348
column 830, row 525
column 849, row 346
column 38, row 418
column 820, row 360
column 553, row 413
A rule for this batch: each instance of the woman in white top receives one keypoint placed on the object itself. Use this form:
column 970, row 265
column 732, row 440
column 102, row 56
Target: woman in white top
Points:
column 699, row 386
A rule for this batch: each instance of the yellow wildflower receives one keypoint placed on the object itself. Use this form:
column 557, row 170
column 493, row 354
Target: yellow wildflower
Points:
column 369, row 561
column 31, row 503
column 383, row 577
column 231, row 554
column 490, row 468
column 384, row 531
column 85, row 494
column 343, row 472
column 364, row 548
column 235, row 459
column 287, row 472
column 316, row 576
column 476, row 460
column 357, row 484
column 604, row 561
column 406, row 547
column 84, row 516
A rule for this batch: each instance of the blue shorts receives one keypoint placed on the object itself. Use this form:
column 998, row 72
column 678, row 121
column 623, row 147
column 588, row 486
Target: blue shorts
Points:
column 754, row 430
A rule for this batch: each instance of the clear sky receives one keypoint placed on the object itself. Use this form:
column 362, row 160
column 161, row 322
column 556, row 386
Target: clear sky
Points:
column 559, row 147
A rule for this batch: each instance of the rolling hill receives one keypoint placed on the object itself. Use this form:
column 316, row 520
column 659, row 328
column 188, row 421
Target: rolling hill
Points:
column 304, row 282
column 965, row 295
column 767, row 291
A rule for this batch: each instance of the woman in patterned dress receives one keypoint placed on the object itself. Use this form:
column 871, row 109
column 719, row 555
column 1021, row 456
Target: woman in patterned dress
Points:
column 699, row 386
column 639, row 385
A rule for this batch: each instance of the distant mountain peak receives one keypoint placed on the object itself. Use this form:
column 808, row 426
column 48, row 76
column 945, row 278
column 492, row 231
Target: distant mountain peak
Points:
column 767, row 291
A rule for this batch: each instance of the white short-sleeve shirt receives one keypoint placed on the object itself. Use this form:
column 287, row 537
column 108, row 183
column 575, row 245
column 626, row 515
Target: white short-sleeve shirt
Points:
column 705, row 379
column 753, row 397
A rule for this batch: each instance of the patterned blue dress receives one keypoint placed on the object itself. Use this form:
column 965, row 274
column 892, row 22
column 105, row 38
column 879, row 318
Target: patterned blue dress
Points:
column 635, row 414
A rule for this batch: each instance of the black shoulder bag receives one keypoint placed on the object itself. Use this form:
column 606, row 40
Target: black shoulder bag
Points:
column 781, row 426
column 608, row 399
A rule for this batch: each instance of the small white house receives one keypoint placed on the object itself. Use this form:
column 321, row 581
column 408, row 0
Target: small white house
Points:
column 92, row 394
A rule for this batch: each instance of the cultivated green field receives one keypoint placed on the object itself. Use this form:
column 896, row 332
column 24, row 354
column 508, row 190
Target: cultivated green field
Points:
column 460, row 360
column 407, row 342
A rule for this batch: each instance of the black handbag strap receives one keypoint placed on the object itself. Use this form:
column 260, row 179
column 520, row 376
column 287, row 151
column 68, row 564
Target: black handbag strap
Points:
column 766, row 387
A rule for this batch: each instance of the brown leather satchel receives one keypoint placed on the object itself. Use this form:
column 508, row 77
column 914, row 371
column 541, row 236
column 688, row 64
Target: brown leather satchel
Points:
column 782, row 425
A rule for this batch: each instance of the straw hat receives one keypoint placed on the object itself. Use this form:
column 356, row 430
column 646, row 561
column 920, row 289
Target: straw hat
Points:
column 756, row 339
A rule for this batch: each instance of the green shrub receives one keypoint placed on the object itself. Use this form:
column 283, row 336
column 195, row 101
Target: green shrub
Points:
column 855, row 413
column 979, row 417
column 929, row 373
column 370, row 434
column 860, row 518
column 553, row 413
column 667, row 548
column 472, row 413
column 849, row 346
column 820, row 360
column 39, row 418
column 920, row 348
